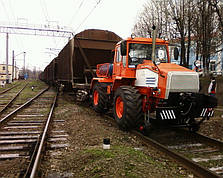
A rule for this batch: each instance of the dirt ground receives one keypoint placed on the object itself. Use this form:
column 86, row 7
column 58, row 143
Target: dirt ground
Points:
column 214, row 127
column 85, row 156
column 127, row 157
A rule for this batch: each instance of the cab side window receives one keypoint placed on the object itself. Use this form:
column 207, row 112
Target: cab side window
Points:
column 118, row 55
column 124, row 60
column 120, row 58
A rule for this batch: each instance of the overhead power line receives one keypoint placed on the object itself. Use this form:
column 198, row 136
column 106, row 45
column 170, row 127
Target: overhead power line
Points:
column 98, row 2
column 76, row 12
column 40, row 30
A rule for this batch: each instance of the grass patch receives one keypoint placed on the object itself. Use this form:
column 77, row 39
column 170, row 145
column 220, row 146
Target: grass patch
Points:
column 9, row 85
column 120, row 151
column 125, row 161
column 27, row 93
column 100, row 154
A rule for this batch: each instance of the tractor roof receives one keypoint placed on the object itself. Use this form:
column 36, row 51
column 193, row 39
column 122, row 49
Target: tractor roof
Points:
column 144, row 40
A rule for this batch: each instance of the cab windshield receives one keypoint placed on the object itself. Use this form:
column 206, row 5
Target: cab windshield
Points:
column 140, row 52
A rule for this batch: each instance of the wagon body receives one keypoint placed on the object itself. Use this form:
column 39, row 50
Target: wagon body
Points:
column 76, row 63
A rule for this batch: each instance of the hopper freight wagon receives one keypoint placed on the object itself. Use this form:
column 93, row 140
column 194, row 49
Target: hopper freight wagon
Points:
column 76, row 64
column 41, row 76
column 47, row 74
column 78, row 59
column 50, row 72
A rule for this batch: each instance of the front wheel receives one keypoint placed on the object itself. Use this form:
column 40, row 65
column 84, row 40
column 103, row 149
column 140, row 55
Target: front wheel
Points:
column 128, row 108
column 100, row 99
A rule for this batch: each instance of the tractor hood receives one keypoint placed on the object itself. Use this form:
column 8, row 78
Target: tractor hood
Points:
column 164, row 68
column 167, row 77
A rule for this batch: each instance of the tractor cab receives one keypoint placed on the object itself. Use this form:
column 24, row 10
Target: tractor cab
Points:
column 131, row 52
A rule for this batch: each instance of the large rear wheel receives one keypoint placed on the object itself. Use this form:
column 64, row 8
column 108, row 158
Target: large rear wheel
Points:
column 100, row 99
column 128, row 108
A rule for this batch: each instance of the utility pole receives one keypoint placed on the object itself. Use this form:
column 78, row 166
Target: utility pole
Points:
column 7, row 52
column 15, row 71
column 13, row 67
column 24, row 64
column 32, row 29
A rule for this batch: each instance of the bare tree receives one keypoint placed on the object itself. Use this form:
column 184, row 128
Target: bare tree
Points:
column 218, row 7
column 177, row 12
column 207, row 32
column 170, row 18
column 187, row 21
column 190, row 22
column 154, row 13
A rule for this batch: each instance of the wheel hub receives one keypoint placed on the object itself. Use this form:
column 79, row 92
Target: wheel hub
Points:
column 119, row 106
column 95, row 97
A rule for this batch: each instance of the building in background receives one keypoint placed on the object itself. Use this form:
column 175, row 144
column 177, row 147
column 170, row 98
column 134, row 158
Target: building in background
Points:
column 3, row 73
column 216, row 59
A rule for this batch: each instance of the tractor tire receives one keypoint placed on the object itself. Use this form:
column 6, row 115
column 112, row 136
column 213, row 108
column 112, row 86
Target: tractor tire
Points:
column 100, row 99
column 127, row 108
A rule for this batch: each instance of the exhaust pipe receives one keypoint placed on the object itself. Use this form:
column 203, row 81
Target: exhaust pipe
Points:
column 154, row 43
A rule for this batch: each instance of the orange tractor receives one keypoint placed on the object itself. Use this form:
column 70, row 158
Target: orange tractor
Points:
column 144, row 88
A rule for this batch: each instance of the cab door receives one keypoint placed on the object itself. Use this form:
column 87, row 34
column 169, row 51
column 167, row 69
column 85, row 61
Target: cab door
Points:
column 118, row 62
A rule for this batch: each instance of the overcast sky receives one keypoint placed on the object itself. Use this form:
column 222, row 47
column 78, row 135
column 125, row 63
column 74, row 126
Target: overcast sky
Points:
column 118, row 16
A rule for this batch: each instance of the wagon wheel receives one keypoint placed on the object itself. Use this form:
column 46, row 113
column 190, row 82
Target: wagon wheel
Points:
column 100, row 99
column 128, row 108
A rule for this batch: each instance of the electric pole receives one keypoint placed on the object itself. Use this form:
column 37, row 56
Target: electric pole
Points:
column 24, row 64
column 7, row 60
column 13, row 59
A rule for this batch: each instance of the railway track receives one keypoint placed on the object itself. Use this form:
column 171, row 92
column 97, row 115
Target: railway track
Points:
column 23, row 135
column 8, row 89
column 200, row 154
column 8, row 98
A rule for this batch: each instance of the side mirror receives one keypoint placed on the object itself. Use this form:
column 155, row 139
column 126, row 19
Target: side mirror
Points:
column 157, row 62
column 176, row 53
column 123, row 48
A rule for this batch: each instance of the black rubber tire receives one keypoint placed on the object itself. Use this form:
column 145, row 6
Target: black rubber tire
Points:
column 132, row 116
column 101, row 106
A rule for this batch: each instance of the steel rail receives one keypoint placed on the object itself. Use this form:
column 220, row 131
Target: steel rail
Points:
column 206, row 139
column 211, row 141
column 7, row 105
column 4, row 91
column 22, row 106
column 32, row 160
column 198, row 170
column 43, row 139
